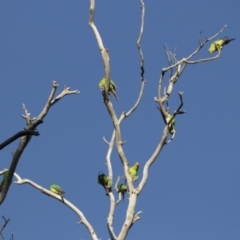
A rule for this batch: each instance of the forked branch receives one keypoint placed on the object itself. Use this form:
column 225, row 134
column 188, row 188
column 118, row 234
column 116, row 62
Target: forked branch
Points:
column 6, row 221
column 31, row 126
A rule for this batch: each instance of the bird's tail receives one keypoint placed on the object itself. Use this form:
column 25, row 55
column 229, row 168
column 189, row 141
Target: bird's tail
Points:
column 115, row 95
column 227, row 40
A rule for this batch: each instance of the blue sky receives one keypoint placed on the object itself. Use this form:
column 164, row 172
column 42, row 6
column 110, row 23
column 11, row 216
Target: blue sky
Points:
column 193, row 188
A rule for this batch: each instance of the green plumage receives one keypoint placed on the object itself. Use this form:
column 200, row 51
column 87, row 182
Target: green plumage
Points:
column 172, row 124
column 112, row 87
column 218, row 44
column 56, row 189
column 3, row 180
column 133, row 171
column 122, row 188
column 104, row 180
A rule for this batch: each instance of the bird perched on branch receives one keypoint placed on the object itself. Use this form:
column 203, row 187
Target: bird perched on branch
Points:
column 171, row 124
column 105, row 181
column 122, row 188
column 218, row 44
column 56, row 189
column 133, row 171
column 3, row 180
column 112, row 87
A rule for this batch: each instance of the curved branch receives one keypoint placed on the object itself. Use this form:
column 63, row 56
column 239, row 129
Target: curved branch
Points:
column 4, row 225
column 162, row 141
column 17, row 135
column 83, row 219
column 111, row 216
column 31, row 125
column 186, row 60
column 116, row 189
column 139, row 39
column 102, row 49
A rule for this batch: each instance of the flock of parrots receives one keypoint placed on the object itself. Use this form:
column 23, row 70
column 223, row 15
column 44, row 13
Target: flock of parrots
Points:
column 104, row 180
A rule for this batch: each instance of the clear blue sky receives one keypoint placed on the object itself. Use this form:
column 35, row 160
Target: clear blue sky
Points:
column 193, row 188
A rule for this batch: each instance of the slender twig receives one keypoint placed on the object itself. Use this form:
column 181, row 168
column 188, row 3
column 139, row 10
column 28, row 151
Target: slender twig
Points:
column 116, row 188
column 132, row 194
column 4, row 225
column 186, row 60
column 102, row 49
column 136, row 216
column 12, row 238
column 139, row 39
column 82, row 217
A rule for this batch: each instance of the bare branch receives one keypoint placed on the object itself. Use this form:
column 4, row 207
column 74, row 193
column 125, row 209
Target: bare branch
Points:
column 66, row 91
column 31, row 125
column 116, row 188
column 132, row 193
column 151, row 160
column 139, row 39
column 124, row 115
column 27, row 115
column 136, row 216
column 186, row 60
column 119, row 199
column 12, row 238
column 163, row 141
column 102, row 49
column 111, row 196
column 104, row 139
column 4, row 225
column 83, row 219
column 116, row 184
column 111, row 216
column 108, row 157
column 180, row 66
column 17, row 135
column 178, row 111
column 129, row 216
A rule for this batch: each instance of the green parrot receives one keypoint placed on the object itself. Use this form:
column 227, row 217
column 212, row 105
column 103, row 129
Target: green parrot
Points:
column 133, row 171
column 172, row 124
column 218, row 44
column 122, row 188
column 3, row 180
column 56, row 189
column 112, row 87
column 104, row 180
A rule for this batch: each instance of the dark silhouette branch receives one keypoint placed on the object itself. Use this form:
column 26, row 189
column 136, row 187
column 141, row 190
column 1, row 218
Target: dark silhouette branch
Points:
column 4, row 225
column 18, row 135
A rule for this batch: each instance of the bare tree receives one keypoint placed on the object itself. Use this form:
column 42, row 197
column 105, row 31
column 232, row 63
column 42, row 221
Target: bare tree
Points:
column 165, row 88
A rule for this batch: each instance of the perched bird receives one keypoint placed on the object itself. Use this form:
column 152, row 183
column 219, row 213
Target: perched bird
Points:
column 122, row 188
column 3, row 180
column 133, row 171
column 218, row 44
column 104, row 180
column 172, row 124
column 112, row 87
column 56, row 189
